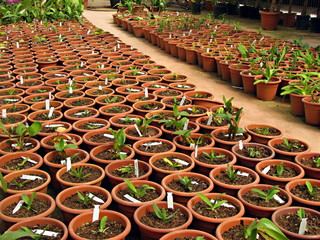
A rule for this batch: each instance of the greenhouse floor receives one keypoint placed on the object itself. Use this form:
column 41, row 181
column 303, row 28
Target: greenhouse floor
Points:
column 275, row 112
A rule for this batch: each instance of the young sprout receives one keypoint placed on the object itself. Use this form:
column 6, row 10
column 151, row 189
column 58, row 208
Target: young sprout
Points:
column 28, row 201
column 84, row 199
column 212, row 156
column 173, row 164
column 126, row 169
column 232, row 174
column 266, row 196
column 103, row 223
column 61, row 146
column 78, row 173
column 263, row 131
column 110, row 99
column 311, row 189
column 317, row 162
column 3, row 183
column 301, row 213
column 289, row 145
column 137, row 192
column 212, row 205
column 279, row 169
column 185, row 181
column 119, row 143
column 162, row 213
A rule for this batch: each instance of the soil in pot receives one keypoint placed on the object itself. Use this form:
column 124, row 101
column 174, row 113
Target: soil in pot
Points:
column 301, row 191
column 127, row 172
column 288, row 172
column 255, row 152
column 196, row 185
column 20, row 184
column 173, row 164
column 149, row 132
column 75, row 202
column 150, row 195
column 89, row 174
column 312, row 162
column 150, row 148
column 251, row 198
column 19, row 163
column 296, row 146
column 214, row 158
column 240, row 179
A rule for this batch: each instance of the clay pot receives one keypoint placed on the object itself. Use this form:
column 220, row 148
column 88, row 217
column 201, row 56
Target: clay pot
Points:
column 262, row 211
column 275, row 180
column 267, row 91
column 312, row 111
column 54, row 126
column 227, row 144
column 71, row 119
column 41, row 105
column 32, row 116
column 4, row 144
column 187, row 149
column 208, row 224
column 115, row 125
column 132, row 139
column 70, row 213
column 269, row 20
column 77, row 125
column 86, row 217
column 107, row 115
column 24, row 111
column 260, row 138
column 184, row 197
column 229, row 223
column 119, row 100
column 312, row 172
column 74, row 138
column 155, row 233
column 187, row 233
column 229, row 188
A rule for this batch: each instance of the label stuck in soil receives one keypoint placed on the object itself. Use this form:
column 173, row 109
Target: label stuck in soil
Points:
column 45, row 233
column 95, row 198
column 30, row 160
column 29, row 177
column 54, row 125
column 181, row 161
column 18, row 206
column 16, row 145
column 266, row 169
column 131, row 199
column 4, row 113
column 278, row 199
column 136, row 168
column 108, row 135
column 183, row 99
column 170, row 200
column 303, row 226
column 245, row 174
column 152, row 144
column 96, row 212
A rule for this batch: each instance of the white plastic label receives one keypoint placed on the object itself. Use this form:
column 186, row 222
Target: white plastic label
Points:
column 195, row 182
column 106, row 81
column 137, row 129
column 185, row 126
column 266, row 169
column 100, row 88
column 11, row 100
column 30, row 160
column 278, row 199
column 133, row 90
column 16, row 145
column 45, row 233
column 196, row 152
column 131, row 199
column 245, row 174
column 70, row 90
column 50, row 96
column 151, row 144
column 97, row 124
column 136, row 168
column 21, row 80
column 18, row 206
column 47, row 104
column 131, row 119
column 303, row 226
column 181, row 161
column 9, row 75
column 228, row 205
column 170, row 200
column 146, row 94
column 54, row 125
column 4, row 113
column 108, row 135
column 210, row 120
column 158, row 86
column 95, row 198
column 240, row 145
column 50, row 112
column 68, row 161
column 183, row 99
column 88, row 31
column 17, row 45
column 96, row 212
column 183, row 86
column 63, row 162
column 30, row 177
column 192, row 145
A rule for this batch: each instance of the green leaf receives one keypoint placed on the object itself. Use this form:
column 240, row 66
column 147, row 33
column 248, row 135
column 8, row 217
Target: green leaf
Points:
column 3, row 183
column 13, row 235
column 34, row 129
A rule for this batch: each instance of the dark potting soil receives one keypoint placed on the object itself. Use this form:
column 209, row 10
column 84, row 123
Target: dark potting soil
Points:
column 126, row 82
column 75, row 202
column 149, row 196
column 30, row 83
column 78, row 158
column 37, row 99
column 81, row 102
column 143, row 98
column 197, row 185
column 7, row 101
column 151, row 220
column 9, row 93
column 204, row 142
column 100, row 138
column 71, row 95
column 112, row 99
column 255, row 152
column 236, row 232
column 239, row 180
column 3, row 86
column 38, row 206
column 150, row 106
column 195, row 111
column 117, row 110
column 291, row 222
column 161, row 116
column 225, row 137
column 44, row 116
column 93, row 175
column 14, row 164
column 91, row 230
column 160, row 163
column 149, row 132
column 124, row 122
column 271, row 131
column 45, row 227
column 169, row 93
column 15, row 109
column 219, row 160
column 301, row 191
column 131, row 174
column 108, row 154
column 299, row 147
column 216, row 122
column 177, row 101
column 27, row 184
column 100, row 92
column 11, row 119
column 92, row 125
column 42, row 90
column 288, row 172
column 250, row 198
column 164, row 147
column 220, row 212
column 310, row 162
column 83, row 115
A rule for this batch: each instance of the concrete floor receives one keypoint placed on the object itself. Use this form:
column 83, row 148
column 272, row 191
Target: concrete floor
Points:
column 275, row 112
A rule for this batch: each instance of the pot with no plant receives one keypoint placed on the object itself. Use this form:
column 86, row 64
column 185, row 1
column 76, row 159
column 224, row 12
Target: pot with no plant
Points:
column 310, row 162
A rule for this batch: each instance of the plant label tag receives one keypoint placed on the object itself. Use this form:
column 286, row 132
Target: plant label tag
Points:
column 210, row 119
column 97, row 124
column 30, row 160
column 181, row 161
column 102, row 66
column 9, row 75
column 266, row 169
column 68, row 161
column 240, row 145
column 133, row 90
column 185, row 127
column 228, row 205
column 4, row 113
column 48, row 104
column 106, row 81
column 278, row 199
column 152, row 144
column 81, row 64
column 11, row 100
column 170, row 35
column 54, row 125
column 60, row 35
column 190, row 31
column 136, row 168
column 261, row 39
column 253, row 42
column 96, row 213
column 117, row 68
column 170, row 200
column 100, row 88
column 183, row 99
column 245, row 174
column 17, row 45
column 183, row 86
column 123, row 153
column 192, row 145
column 115, row 48
column 63, row 162
column 70, row 81
column 303, row 226
column 21, row 80
column 70, row 90
column 131, row 48
column 88, row 32
column 50, row 96
column 108, row 135
column 131, row 199
column 95, row 198
column 137, row 129
column 196, row 152
column 18, row 206
column 45, row 233
column 16, row 145
column 208, row 50
column 146, row 94
column 195, row 182
column 50, row 112
column 118, row 46
column 30, row 177
column 79, row 113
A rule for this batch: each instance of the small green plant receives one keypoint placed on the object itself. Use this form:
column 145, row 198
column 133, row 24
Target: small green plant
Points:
column 119, row 143
column 28, row 201
column 78, row 173
column 317, row 162
column 175, row 122
column 103, row 223
column 212, row 205
column 20, row 184
column 232, row 174
column 186, row 182
column 84, row 199
column 301, row 213
column 312, row 190
column 173, row 164
column 233, row 123
column 212, row 156
column 186, row 135
column 263, row 131
column 289, row 145
column 279, row 169
column 3, row 183
column 267, row 74
column 128, row 169
column 138, row 192
column 253, row 153
column 143, row 123
column 62, row 146
column 228, row 107
column 162, row 213
column 111, row 99
column 268, row 195
column 21, row 233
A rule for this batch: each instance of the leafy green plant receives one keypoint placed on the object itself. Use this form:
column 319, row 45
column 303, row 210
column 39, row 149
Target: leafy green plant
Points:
column 266, row 195
column 13, row 235
column 111, row 99
column 212, row 205
column 228, row 106
column 289, row 145
column 175, row 122
column 103, row 223
column 301, row 213
column 317, row 162
column 3, row 183
column 233, row 123
column 212, row 156
column 119, row 143
column 186, row 135
column 186, row 182
column 232, row 174
column 62, row 146
column 128, row 169
column 173, row 164
column 84, row 199
column 263, row 131
column 78, row 173
column 143, row 123
column 253, row 153
column 312, row 190
column 138, row 192
column 267, row 74
column 162, row 213
column 28, row 201
column 279, row 169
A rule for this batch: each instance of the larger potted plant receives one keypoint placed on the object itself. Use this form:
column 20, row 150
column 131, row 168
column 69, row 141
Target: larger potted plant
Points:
column 269, row 19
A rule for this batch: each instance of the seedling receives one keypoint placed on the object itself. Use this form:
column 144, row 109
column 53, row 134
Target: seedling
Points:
column 212, row 156
column 78, row 173
column 126, row 169
column 289, row 145
column 268, row 195
column 61, row 146
column 110, row 99
column 173, row 164
column 227, row 104
column 103, row 223
column 317, row 162
column 84, row 199
column 267, row 74
column 127, row 120
column 253, row 153
column 186, row 135
column 175, row 122
column 263, row 131
column 18, row 234
column 279, row 169
column 232, row 174
column 20, row 185
column 3, row 183
column 212, row 205
column 119, row 143
column 162, row 214
column 185, row 181
column 138, row 192
column 143, row 123
column 233, row 123
column 301, row 213
column 28, row 201
column 312, row 190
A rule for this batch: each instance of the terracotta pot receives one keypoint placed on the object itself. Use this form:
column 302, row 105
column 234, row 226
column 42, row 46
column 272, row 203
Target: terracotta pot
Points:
column 73, row 103
column 41, row 105
column 199, row 95
column 132, row 139
column 10, row 156
column 229, row 223
column 269, row 20
column 312, row 172
column 54, row 126
column 170, row 78
column 267, row 91
column 71, row 119
column 259, row 211
column 118, row 100
column 155, row 233
column 74, row 138
column 14, row 199
column 24, row 108
column 275, row 180
column 260, row 138
column 107, row 115
column 298, row 200
column 284, row 154
column 127, row 207
column 291, row 235
column 70, row 213
column 289, row 19
column 138, row 107
column 312, row 111
column 4, row 144
column 41, row 220
column 8, row 100
column 184, row 197
column 144, row 155
column 187, row 233
column 235, row 76
column 86, row 217
column 187, row 149
column 114, row 121
column 96, row 182
column 80, row 131
column 230, row 188
column 61, row 95
column 208, row 224
column 32, row 117
column 247, row 80
column 227, row 144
